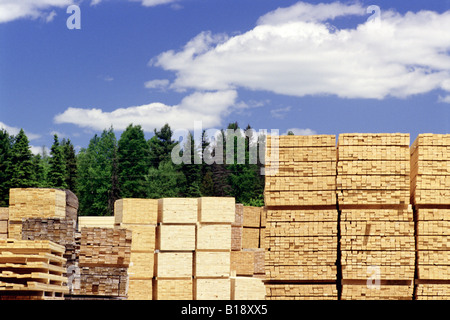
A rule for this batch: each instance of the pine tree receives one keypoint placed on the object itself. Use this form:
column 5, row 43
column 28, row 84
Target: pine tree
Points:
column 165, row 182
column 5, row 166
column 58, row 171
column 161, row 145
column 192, row 170
column 71, row 164
column 22, row 166
column 134, row 162
column 114, row 193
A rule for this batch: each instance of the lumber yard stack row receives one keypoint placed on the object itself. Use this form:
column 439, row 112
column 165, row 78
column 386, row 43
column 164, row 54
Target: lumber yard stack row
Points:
column 140, row 217
column 4, row 217
column 377, row 246
column 430, row 194
column 301, row 218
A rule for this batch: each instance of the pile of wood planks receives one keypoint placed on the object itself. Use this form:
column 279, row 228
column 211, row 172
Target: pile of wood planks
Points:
column 175, row 245
column 32, row 270
column 4, row 217
column 377, row 246
column 301, row 219
column 430, row 185
column 140, row 217
column 104, row 257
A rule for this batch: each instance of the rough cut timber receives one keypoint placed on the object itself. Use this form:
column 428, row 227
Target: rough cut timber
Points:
column 216, row 209
column 301, row 292
column 103, row 281
column 177, row 210
column 174, row 265
column 212, row 289
column 140, row 289
column 100, row 222
column 143, row 237
column 212, row 264
column 213, row 237
column 142, row 265
column 383, row 292
column 176, row 237
column 243, row 263
column 32, row 269
column 252, row 217
column 136, row 211
column 4, row 217
column 173, row 289
column 250, row 238
column 247, row 288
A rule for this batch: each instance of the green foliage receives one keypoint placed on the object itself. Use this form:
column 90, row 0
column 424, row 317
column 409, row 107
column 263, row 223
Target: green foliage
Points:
column 6, row 143
column 57, row 174
column 165, row 181
column 22, row 167
column 134, row 162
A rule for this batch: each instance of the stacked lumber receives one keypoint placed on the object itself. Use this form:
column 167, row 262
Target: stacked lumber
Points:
column 237, row 228
column 32, row 270
column 33, row 203
column 104, row 257
column 377, row 244
column 176, row 241
column 430, row 170
column 430, row 185
column 251, row 227
column 96, row 221
column 140, row 217
column 212, row 268
column 247, row 288
column 301, row 219
column 4, row 217
column 301, row 171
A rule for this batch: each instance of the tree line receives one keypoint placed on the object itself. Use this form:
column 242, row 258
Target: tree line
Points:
column 133, row 167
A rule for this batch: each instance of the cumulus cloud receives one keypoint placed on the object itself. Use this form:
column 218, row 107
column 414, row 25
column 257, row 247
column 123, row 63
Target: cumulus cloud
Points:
column 295, row 51
column 152, row 3
column 13, row 9
column 15, row 131
column 208, row 107
column 157, row 84
column 280, row 113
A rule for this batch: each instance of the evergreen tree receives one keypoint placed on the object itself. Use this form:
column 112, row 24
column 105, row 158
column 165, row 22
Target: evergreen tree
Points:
column 134, row 162
column 58, row 172
column 192, row 170
column 39, row 171
column 22, row 166
column 5, row 167
column 70, row 163
column 114, row 193
column 219, row 169
column 94, row 175
column 161, row 145
column 165, row 181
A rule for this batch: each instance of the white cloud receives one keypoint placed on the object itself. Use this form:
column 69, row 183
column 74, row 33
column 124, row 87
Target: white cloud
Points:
column 16, row 9
column 40, row 150
column 13, row 131
column 50, row 16
column 301, row 132
column 152, row 3
column 445, row 99
column 280, row 113
column 157, row 84
column 208, row 107
column 294, row 51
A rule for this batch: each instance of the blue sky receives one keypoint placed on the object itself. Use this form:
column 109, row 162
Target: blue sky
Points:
column 316, row 67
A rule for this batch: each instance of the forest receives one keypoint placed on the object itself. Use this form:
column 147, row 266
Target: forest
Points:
column 130, row 166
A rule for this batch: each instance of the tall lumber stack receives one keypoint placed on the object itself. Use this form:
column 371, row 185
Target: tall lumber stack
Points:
column 301, row 219
column 104, row 258
column 212, row 268
column 176, row 232
column 32, row 270
column 140, row 217
column 4, row 217
column 430, row 194
column 376, row 221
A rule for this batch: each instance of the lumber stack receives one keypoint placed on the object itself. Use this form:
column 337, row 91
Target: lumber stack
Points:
column 301, row 219
column 96, row 221
column 212, row 268
column 304, row 173
column 176, row 241
column 32, row 270
column 4, row 217
column 104, row 257
column 251, row 227
column 430, row 185
column 33, row 203
column 140, row 217
column 376, row 221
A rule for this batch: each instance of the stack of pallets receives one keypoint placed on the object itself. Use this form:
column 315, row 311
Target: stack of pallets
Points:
column 32, row 270
column 430, row 185
column 302, row 219
column 376, row 221
column 140, row 217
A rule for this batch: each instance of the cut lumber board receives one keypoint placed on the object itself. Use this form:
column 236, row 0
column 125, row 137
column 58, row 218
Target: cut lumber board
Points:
column 251, row 217
column 173, row 289
column 212, row 264
column 140, row 289
column 247, row 288
column 216, row 209
column 176, row 237
column 383, row 292
column 178, row 210
column 174, row 265
column 301, row 291
column 292, row 215
column 142, row 265
column 392, row 243
column 36, row 203
column 212, row 289
column 250, row 238
column 136, row 211
column 100, row 222
column 299, row 229
column 214, row 236
column 301, row 198
column 377, row 215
